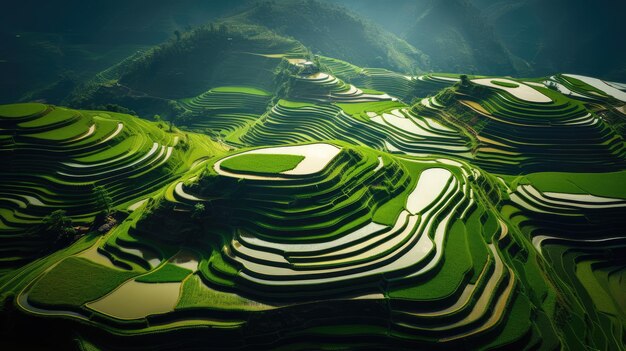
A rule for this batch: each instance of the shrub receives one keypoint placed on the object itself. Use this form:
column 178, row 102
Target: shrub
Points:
column 58, row 227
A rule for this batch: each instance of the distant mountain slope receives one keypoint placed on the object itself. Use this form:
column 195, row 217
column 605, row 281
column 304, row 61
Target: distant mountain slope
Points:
column 210, row 56
column 577, row 36
column 47, row 47
column 46, row 53
column 516, row 25
column 334, row 31
column 243, row 50
column 457, row 38
column 224, row 54
column 541, row 37
column 100, row 21
column 394, row 15
column 453, row 33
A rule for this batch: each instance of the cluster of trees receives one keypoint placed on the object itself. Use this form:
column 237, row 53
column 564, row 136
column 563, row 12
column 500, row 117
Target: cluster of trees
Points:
column 58, row 228
column 552, row 85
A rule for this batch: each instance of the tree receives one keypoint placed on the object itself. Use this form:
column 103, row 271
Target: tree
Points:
column 174, row 110
column 198, row 211
column 223, row 29
column 58, row 226
column 465, row 82
column 102, row 198
column 552, row 86
column 184, row 118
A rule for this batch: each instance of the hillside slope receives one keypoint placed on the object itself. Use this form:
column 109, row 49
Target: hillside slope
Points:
column 567, row 36
column 209, row 56
column 48, row 48
column 56, row 158
column 458, row 39
column 333, row 31
column 540, row 37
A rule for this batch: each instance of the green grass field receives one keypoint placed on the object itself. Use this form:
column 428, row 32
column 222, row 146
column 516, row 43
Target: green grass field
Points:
column 264, row 164
column 74, row 282
column 169, row 273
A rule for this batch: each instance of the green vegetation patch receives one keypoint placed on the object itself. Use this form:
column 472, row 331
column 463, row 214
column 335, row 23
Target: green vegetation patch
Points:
column 516, row 325
column 168, row 273
column 451, row 75
column 505, row 84
column 21, row 110
column 197, row 295
column 599, row 184
column 457, row 264
column 261, row 163
column 56, row 116
column 76, row 281
column 388, row 213
column 358, row 110
column 243, row 90
column 294, row 104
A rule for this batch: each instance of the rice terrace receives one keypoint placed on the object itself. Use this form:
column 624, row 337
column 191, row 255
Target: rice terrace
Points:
column 313, row 175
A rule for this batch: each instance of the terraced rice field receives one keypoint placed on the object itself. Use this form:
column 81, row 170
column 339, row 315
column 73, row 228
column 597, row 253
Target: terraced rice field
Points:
column 357, row 206
column 224, row 109
column 55, row 158
column 515, row 134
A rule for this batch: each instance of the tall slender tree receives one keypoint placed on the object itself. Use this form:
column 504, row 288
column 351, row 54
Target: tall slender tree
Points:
column 103, row 198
